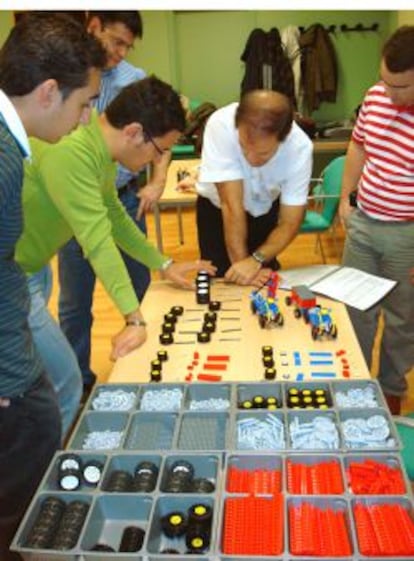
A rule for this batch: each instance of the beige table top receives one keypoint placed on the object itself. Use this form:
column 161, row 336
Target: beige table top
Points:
column 171, row 196
column 239, row 338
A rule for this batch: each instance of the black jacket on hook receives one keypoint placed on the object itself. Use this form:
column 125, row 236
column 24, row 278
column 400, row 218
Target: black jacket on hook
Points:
column 264, row 53
column 319, row 67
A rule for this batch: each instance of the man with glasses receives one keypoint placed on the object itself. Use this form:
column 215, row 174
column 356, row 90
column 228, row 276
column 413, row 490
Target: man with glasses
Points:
column 69, row 190
column 49, row 72
column 380, row 231
column 117, row 32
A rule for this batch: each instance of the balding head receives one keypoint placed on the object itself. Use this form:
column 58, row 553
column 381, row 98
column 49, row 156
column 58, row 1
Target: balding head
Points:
column 265, row 112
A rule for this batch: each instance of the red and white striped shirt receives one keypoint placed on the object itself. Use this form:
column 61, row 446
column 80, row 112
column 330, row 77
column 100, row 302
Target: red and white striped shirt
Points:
column 386, row 131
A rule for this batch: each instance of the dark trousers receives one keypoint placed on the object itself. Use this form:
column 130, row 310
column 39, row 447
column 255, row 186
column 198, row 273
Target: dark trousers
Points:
column 30, row 433
column 211, row 233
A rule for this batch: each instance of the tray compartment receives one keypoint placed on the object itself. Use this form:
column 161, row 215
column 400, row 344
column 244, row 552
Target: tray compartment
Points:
column 104, row 397
column 94, row 421
column 316, row 474
column 123, row 468
column 197, row 396
column 158, row 541
column 151, row 431
column 248, row 392
column 190, row 474
column 256, row 474
column 260, row 430
column 203, row 431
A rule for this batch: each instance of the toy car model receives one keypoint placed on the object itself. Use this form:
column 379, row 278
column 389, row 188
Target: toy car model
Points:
column 272, row 284
column 303, row 299
column 266, row 309
column 321, row 322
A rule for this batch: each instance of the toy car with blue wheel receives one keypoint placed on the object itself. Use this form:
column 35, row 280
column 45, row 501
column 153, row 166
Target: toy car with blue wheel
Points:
column 320, row 319
column 266, row 309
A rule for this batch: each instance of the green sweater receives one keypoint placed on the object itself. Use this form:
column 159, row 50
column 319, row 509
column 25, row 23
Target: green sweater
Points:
column 69, row 191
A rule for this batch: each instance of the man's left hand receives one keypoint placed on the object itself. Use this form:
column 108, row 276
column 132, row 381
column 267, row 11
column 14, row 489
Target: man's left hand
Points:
column 243, row 272
column 148, row 196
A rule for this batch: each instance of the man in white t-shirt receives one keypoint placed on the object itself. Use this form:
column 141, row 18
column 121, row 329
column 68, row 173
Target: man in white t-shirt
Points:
column 254, row 178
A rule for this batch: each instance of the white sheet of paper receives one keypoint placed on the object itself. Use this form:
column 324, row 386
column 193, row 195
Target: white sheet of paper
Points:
column 348, row 285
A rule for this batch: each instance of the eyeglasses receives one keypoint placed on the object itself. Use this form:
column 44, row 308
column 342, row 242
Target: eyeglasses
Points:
column 118, row 42
column 148, row 137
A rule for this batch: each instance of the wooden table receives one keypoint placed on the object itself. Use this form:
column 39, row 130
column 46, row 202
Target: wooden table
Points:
column 239, row 338
column 171, row 197
column 323, row 145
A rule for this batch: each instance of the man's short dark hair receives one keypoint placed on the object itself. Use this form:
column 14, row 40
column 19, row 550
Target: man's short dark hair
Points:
column 45, row 46
column 77, row 15
column 131, row 20
column 151, row 102
column 266, row 111
column 398, row 51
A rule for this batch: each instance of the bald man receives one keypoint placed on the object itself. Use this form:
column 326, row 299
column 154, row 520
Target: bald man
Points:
column 253, row 184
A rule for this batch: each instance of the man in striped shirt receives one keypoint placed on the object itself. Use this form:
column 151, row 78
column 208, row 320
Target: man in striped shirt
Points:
column 49, row 72
column 380, row 232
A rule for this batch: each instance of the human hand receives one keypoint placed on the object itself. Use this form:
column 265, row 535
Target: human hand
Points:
column 187, row 185
column 148, row 196
column 243, row 272
column 344, row 211
column 129, row 338
column 261, row 277
column 177, row 272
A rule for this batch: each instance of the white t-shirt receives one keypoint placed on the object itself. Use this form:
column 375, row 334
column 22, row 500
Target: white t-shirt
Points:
column 286, row 175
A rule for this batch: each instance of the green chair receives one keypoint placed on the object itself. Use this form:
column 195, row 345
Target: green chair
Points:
column 324, row 197
column 405, row 427
column 186, row 151
column 183, row 151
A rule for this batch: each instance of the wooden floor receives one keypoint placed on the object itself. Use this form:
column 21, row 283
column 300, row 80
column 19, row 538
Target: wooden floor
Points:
column 108, row 321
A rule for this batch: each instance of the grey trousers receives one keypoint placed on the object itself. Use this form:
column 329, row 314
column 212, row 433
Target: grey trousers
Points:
column 385, row 249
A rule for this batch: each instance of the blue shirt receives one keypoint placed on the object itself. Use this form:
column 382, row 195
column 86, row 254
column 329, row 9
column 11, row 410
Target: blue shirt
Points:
column 112, row 82
column 19, row 362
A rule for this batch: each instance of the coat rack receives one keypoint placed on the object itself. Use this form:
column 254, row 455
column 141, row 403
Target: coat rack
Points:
column 329, row 28
column 346, row 28
column 359, row 27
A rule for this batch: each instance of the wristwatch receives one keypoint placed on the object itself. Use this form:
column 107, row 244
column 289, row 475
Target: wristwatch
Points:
column 135, row 321
column 166, row 264
column 259, row 257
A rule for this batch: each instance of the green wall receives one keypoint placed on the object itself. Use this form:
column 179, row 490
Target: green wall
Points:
column 214, row 73
column 203, row 51
column 199, row 51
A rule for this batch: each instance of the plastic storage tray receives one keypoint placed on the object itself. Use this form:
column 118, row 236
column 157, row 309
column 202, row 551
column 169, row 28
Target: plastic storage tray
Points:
column 253, row 484
column 208, row 430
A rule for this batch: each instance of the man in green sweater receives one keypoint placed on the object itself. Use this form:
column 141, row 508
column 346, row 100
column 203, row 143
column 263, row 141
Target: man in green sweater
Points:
column 69, row 191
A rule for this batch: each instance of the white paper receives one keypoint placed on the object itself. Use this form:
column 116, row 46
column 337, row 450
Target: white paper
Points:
column 348, row 285
column 305, row 275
